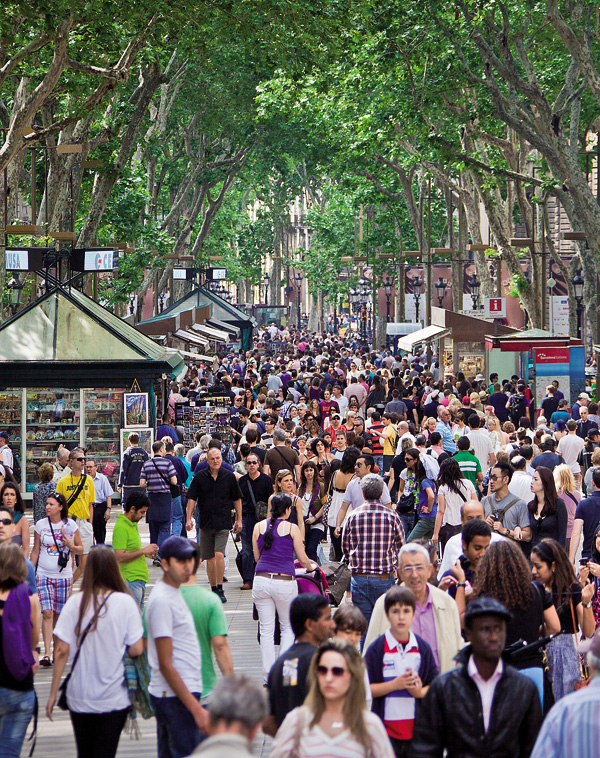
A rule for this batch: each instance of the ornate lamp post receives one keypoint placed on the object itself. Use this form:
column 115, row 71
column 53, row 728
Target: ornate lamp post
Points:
column 474, row 286
column 577, row 282
column 416, row 285
column 298, row 279
column 440, row 290
column 15, row 289
column 266, row 279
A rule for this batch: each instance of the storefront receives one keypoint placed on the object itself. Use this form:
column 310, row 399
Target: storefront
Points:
column 66, row 365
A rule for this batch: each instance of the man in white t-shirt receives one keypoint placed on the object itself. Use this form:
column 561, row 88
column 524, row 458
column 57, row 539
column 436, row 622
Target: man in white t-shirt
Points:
column 470, row 510
column 6, row 454
column 481, row 443
column 174, row 655
column 520, row 483
column 569, row 447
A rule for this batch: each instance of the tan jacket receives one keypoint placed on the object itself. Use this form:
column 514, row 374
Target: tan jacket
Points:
column 447, row 627
column 225, row 744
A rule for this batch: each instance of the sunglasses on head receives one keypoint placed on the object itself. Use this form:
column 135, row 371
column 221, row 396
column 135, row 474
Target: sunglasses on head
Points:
column 337, row 671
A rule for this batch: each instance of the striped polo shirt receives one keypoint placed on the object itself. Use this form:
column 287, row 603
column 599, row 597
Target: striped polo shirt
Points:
column 399, row 710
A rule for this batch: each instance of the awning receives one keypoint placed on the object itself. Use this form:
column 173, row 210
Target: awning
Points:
column 195, row 356
column 229, row 328
column 187, row 336
column 422, row 335
column 211, row 333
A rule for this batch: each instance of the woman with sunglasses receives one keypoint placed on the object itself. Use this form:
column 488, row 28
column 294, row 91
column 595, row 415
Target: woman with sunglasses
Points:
column 54, row 539
column 97, row 696
column 333, row 719
column 274, row 542
column 10, row 497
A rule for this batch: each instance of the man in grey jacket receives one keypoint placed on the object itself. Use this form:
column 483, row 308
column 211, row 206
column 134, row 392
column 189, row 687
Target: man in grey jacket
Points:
column 237, row 709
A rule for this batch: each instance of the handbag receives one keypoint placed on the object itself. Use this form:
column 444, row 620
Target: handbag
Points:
column 406, row 503
column 173, row 488
column 62, row 698
column 583, row 669
column 260, row 507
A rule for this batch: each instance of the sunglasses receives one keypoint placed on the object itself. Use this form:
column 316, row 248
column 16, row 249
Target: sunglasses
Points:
column 337, row 671
column 251, row 463
column 6, row 521
column 80, row 459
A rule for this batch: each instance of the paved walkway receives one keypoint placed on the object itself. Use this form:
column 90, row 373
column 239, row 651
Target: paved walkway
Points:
column 56, row 739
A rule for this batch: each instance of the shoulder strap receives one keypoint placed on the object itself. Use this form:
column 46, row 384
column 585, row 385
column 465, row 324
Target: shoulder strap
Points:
column 251, row 493
column 160, row 473
column 73, row 496
column 54, row 537
column 503, row 511
column 86, row 630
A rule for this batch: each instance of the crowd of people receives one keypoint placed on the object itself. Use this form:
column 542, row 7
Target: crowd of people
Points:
column 466, row 517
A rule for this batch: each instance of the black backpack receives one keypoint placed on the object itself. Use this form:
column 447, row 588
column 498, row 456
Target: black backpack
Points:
column 517, row 407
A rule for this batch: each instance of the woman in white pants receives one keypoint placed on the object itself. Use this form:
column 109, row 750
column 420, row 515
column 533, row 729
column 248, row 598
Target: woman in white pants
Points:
column 274, row 542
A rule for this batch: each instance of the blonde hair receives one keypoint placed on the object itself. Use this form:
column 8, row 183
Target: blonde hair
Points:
column 564, row 479
column 354, row 704
column 596, row 457
column 281, row 474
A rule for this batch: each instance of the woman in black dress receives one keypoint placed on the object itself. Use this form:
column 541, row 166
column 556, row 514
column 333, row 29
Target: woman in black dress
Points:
column 548, row 515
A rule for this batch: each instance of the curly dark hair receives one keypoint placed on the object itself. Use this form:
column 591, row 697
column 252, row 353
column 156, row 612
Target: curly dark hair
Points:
column 504, row 574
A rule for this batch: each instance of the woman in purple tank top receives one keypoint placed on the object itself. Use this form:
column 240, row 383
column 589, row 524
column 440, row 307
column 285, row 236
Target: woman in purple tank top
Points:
column 274, row 542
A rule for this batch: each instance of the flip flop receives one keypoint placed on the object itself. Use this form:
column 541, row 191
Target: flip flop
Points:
column 45, row 662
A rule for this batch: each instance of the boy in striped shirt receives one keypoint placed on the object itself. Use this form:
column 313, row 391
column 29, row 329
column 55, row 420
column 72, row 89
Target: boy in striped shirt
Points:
column 401, row 667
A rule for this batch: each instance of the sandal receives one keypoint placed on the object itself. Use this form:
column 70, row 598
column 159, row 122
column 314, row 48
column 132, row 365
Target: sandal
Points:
column 45, row 662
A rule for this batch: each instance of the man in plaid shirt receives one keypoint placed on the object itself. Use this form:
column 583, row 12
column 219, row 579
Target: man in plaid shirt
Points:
column 372, row 539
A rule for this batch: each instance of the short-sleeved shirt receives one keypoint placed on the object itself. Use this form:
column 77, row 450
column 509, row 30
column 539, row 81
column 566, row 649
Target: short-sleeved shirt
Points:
column 288, row 680
column 281, row 457
column 81, row 507
column 97, row 684
column 588, row 511
column 48, row 560
column 167, row 615
column 517, row 515
column 154, row 480
column 469, row 465
column 214, row 498
column 126, row 536
column 209, row 620
column 31, row 582
column 424, row 499
column 355, row 497
column 262, row 488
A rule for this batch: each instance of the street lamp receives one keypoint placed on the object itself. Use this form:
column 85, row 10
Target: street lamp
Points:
column 266, row 280
column 416, row 286
column 161, row 302
column 577, row 282
column 15, row 288
column 440, row 290
column 474, row 285
column 298, row 279
column 388, row 286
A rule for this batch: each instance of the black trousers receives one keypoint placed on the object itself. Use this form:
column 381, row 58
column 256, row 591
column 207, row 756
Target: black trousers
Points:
column 99, row 523
column 336, row 544
column 97, row 734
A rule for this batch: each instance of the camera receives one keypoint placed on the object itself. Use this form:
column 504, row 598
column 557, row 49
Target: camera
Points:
column 63, row 559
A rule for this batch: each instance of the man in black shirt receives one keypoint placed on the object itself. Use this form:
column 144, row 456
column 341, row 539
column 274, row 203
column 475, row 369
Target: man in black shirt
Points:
column 216, row 491
column 131, row 467
column 312, row 624
column 262, row 489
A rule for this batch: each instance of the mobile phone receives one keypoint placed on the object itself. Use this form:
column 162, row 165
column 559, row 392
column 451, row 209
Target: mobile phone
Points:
column 583, row 561
column 464, row 562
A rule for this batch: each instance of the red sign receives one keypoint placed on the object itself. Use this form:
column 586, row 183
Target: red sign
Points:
column 495, row 304
column 552, row 355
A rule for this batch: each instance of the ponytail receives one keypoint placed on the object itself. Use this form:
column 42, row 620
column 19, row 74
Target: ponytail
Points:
column 279, row 505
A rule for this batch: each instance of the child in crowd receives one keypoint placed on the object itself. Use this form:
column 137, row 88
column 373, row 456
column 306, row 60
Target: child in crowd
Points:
column 351, row 625
column 400, row 666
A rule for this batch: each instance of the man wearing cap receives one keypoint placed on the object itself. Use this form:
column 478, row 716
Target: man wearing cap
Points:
column 571, row 727
column 174, row 655
column 484, row 706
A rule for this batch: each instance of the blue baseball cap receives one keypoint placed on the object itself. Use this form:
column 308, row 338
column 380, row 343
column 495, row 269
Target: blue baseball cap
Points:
column 177, row 547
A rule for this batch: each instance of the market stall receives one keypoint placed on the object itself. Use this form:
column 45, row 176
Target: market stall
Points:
column 67, row 365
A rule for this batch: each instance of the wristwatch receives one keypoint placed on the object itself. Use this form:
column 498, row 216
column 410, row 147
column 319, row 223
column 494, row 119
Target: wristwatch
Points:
column 587, row 605
column 461, row 584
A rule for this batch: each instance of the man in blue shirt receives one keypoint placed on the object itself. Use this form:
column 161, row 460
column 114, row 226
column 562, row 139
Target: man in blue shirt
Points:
column 587, row 518
column 443, row 427
column 166, row 430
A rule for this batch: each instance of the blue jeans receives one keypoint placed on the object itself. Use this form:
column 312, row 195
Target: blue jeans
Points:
column 248, row 523
column 159, row 531
column 176, row 516
column 312, row 543
column 177, row 732
column 138, row 590
column 379, row 462
column 408, row 523
column 16, row 710
column 365, row 591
